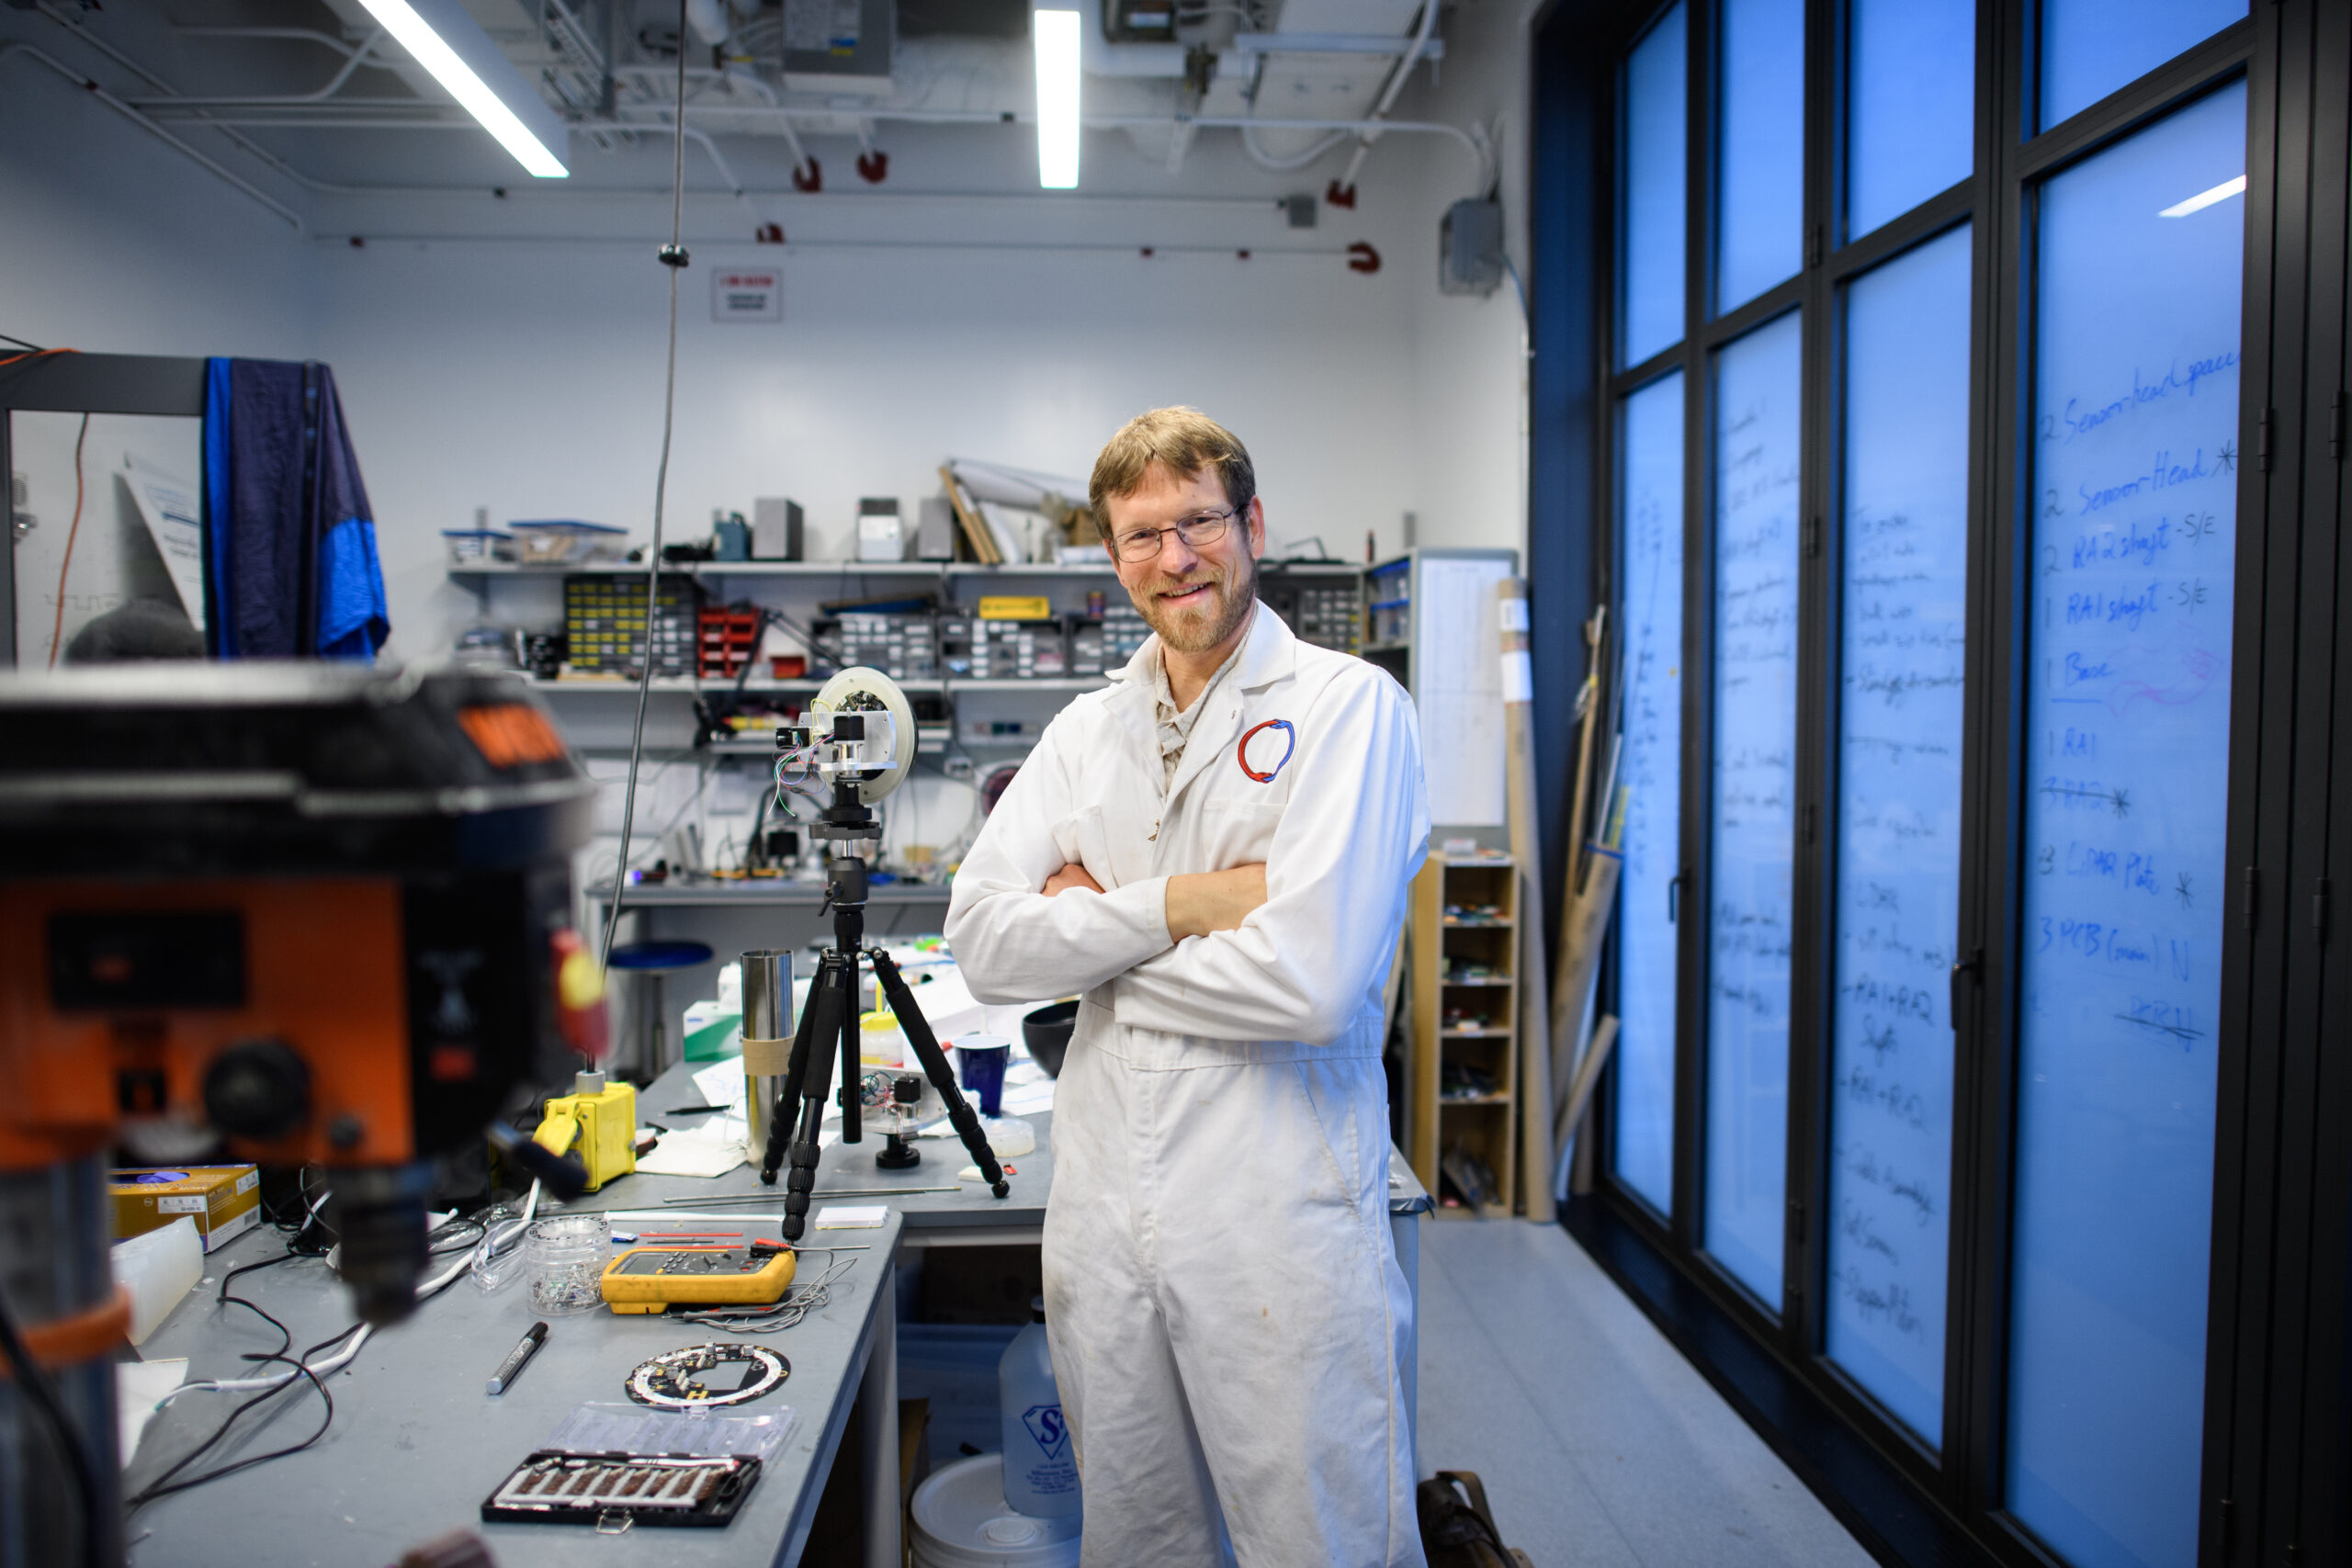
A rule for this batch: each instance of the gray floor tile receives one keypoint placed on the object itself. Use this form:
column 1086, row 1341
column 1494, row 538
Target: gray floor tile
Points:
column 1537, row 1371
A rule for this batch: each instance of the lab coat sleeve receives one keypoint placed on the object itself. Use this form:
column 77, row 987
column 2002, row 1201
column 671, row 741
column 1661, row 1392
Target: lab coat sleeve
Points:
column 1354, row 831
column 1012, row 944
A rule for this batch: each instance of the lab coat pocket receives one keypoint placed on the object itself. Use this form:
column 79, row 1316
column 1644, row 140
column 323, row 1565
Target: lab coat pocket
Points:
column 1081, row 839
column 1237, row 832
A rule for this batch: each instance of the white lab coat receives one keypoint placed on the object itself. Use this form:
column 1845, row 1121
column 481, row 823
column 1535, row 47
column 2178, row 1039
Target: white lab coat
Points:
column 1222, row 1298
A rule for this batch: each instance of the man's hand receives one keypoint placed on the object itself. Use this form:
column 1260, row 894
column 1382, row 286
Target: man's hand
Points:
column 1069, row 876
column 1208, row 901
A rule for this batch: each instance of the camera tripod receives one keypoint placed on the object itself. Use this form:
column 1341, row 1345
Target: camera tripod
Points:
column 830, row 1013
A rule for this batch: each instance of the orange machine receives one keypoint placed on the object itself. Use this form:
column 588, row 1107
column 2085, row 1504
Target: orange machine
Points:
column 296, row 914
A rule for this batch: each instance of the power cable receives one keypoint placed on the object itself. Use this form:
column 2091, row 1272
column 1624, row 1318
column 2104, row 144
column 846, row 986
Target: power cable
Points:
column 41, row 1394
column 57, row 632
column 672, row 256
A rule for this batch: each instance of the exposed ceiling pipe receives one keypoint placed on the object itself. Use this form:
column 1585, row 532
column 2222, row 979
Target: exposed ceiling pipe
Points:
column 42, row 57
column 246, row 145
column 359, row 57
column 1346, row 183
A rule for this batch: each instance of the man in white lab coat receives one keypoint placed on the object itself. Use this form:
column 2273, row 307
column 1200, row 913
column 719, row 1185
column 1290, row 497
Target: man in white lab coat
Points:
column 1216, row 852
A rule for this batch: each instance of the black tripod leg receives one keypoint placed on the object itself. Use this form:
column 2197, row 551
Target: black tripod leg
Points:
column 786, row 1110
column 916, row 1030
column 828, row 1002
column 853, row 1049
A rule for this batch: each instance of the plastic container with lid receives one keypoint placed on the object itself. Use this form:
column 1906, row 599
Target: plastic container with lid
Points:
column 565, row 1257
column 961, row 1521
column 1040, row 1468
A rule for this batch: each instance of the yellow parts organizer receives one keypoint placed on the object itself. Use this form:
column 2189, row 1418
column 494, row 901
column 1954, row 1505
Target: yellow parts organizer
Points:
column 654, row 1279
column 599, row 1121
column 1015, row 607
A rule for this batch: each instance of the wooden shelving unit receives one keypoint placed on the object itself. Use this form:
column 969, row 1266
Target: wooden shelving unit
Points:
column 1464, row 1077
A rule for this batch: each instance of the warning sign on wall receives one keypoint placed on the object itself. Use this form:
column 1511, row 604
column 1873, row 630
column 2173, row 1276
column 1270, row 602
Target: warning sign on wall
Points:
column 754, row 296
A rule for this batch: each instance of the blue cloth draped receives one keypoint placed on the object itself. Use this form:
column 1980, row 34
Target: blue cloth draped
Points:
column 257, row 520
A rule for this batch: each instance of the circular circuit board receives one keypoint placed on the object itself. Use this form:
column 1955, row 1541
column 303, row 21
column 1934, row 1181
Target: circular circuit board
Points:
column 698, row 1377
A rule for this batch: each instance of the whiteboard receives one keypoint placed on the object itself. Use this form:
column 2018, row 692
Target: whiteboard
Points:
column 2126, row 802
column 1650, row 768
column 1903, row 649
column 1457, row 687
column 1752, row 799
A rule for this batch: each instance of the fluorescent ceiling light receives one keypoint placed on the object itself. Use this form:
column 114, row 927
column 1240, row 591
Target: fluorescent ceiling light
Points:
column 449, row 43
column 2205, row 198
column 1056, row 33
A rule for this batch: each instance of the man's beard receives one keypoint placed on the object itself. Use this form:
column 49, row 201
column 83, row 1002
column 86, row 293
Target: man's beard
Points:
column 1202, row 623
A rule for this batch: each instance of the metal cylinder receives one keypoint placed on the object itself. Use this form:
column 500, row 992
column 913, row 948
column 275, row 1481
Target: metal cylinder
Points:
column 54, row 1222
column 767, row 1042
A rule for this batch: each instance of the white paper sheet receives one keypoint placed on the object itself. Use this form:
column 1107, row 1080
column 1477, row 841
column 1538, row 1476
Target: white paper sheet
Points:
column 852, row 1216
column 168, row 505
column 710, row 1150
column 138, row 1386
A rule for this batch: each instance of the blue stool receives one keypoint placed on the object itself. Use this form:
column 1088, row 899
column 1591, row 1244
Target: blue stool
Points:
column 648, row 963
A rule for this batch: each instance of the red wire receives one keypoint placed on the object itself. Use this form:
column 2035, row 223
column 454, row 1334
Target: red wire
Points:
column 35, row 353
column 57, row 633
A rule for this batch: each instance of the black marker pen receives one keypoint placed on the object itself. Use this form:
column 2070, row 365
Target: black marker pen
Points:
column 512, row 1368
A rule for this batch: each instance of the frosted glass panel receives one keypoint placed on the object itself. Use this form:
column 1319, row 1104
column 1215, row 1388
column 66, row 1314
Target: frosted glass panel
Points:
column 1650, row 767
column 2127, row 727
column 1911, row 105
column 1760, row 197
column 1658, row 140
column 2090, row 48
column 1752, row 789
column 1902, row 649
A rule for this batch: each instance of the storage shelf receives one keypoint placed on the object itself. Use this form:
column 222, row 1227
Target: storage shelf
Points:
column 678, row 685
column 822, row 568
column 1502, row 981
column 1475, row 1033
column 1498, row 1099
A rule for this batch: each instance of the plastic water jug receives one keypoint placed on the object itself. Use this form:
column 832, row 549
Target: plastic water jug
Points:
column 1040, row 1470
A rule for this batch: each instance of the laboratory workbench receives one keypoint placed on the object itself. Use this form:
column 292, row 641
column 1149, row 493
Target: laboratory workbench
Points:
column 416, row 1443
column 753, row 892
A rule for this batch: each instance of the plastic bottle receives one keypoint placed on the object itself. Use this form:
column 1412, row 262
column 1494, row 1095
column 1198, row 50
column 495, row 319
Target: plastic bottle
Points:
column 1040, row 1470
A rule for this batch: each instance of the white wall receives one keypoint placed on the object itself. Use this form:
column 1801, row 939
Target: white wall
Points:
column 1468, row 353
column 526, row 377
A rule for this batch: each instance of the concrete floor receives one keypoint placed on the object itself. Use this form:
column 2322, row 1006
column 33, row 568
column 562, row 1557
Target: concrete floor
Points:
column 1598, row 1444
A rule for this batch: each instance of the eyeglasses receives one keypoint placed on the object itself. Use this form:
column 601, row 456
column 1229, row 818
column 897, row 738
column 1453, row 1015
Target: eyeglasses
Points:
column 1201, row 528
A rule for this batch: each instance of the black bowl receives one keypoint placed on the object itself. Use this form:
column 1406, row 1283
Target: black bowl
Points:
column 1047, row 1033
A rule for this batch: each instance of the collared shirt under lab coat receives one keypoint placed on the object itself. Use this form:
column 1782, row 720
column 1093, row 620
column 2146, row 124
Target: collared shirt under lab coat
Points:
column 1305, row 971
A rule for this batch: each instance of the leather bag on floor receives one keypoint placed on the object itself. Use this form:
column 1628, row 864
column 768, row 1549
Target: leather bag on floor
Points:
column 1457, row 1528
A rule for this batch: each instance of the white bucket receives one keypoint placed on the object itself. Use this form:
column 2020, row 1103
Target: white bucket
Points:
column 961, row 1521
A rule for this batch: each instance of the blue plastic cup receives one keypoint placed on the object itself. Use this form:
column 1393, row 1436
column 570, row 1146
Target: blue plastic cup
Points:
column 979, row 1066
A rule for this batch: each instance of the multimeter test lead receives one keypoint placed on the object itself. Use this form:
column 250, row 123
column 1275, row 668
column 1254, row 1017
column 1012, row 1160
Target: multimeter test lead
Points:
column 512, row 1368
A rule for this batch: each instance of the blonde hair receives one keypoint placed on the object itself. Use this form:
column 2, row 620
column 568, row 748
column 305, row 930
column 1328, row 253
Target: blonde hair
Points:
column 1185, row 441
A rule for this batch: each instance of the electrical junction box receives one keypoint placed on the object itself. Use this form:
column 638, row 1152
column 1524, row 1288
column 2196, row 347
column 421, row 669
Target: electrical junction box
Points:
column 1139, row 21
column 839, row 45
column 1470, row 248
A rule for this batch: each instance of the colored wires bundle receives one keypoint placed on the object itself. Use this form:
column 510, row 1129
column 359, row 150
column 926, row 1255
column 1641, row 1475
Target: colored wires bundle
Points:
column 797, row 1303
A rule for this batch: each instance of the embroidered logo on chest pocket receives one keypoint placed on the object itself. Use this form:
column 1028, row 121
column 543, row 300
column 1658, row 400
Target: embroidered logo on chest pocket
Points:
column 1264, row 749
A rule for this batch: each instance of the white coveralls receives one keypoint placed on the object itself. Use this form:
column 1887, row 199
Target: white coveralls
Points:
column 1226, row 1308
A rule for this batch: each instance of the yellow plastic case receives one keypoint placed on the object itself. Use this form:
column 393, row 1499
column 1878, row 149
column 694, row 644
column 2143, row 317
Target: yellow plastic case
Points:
column 601, row 1126
column 653, row 1278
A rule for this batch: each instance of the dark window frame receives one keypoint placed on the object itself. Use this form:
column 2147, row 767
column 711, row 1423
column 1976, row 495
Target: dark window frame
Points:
column 1961, row 1478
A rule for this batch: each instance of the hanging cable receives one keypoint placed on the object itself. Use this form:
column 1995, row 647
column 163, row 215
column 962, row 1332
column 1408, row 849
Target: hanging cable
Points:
column 57, row 632
column 673, row 256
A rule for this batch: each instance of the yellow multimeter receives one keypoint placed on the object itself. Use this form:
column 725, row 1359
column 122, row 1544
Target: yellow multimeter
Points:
column 653, row 1278
column 598, row 1118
